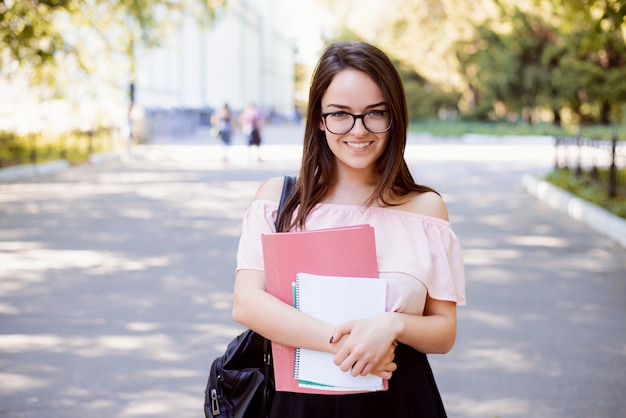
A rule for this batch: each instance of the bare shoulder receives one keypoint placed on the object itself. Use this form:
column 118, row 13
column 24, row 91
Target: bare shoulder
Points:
column 270, row 189
column 427, row 203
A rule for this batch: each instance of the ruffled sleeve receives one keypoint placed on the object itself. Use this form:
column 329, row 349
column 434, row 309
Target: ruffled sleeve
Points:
column 258, row 220
column 446, row 278
column 421, row 247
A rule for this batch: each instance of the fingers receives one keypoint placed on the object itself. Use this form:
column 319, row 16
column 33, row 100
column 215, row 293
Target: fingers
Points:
column 386, row 366
column 346, row 360
column 340, row 331
column 353, row 360
column 384, row 374
column 387, row 372
column 361, row 367
column 362, row 356
column 360, row 361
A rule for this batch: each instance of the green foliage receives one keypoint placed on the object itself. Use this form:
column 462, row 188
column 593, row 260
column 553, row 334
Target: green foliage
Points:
column 512, row 67
column 12, row 150
column 38, row 34
column 424, row 99
column 75, row 147
column 539, row 60
column 585, row 188
column 525, row 60
column 31, row 33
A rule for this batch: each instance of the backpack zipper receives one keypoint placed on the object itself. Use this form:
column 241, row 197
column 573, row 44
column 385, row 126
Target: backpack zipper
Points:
column 215, row 406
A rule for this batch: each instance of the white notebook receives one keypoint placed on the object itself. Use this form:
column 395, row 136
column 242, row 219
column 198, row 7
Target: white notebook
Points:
column 336, row 300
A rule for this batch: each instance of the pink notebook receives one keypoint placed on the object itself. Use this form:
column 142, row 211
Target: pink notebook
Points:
column 347, row 251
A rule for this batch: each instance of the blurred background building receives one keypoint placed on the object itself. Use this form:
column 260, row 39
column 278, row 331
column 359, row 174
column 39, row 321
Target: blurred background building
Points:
column 247, row 56
column 246, row 53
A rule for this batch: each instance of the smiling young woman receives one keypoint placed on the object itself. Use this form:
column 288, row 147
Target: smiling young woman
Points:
column 353, row 172
column 350, row 139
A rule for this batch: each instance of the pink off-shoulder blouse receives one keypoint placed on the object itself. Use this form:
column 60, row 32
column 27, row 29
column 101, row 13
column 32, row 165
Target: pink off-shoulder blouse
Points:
column 416, row 254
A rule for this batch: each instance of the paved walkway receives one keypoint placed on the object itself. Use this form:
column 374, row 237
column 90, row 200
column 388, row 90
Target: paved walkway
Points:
column 116, row 283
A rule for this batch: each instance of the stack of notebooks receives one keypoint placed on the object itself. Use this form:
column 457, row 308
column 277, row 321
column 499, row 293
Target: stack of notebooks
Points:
column 332, row 275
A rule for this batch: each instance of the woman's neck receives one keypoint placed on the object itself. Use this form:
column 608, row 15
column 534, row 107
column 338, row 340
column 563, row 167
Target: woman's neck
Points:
column 351, row 190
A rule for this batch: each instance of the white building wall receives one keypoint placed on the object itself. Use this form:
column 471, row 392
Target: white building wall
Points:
column 278, row 56
column 157, row 78
column 244, row 58
column 190, row 66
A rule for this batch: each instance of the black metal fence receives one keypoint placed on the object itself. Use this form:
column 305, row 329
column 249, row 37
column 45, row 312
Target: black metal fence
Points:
column 600, row 161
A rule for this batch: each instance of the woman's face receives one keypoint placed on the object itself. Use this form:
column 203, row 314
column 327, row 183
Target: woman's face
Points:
column 353, row 91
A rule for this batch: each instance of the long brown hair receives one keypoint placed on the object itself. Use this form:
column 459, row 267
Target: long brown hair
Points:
column 318, row 167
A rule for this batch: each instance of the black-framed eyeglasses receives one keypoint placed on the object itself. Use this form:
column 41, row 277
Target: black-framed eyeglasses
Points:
column 375, row 121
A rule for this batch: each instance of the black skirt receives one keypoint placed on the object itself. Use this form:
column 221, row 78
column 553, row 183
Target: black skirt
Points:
column 255, row 137
column 412, row 393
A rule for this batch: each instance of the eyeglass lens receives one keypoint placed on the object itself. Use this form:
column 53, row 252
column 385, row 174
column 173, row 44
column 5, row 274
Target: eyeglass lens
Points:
column 342, row 122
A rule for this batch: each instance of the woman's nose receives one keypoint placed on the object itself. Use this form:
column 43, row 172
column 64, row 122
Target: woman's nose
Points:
column 359, row 128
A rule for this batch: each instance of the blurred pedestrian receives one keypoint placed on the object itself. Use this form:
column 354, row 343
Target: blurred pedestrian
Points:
column 223, row 120
column 251, row 122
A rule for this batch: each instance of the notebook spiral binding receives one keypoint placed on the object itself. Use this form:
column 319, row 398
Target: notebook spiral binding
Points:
column 296, row 353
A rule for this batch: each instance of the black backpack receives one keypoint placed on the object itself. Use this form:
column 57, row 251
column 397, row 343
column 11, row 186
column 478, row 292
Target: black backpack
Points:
column 241, row 381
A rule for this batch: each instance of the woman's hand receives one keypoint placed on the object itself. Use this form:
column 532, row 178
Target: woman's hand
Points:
column 386, row 366
column 366, row 346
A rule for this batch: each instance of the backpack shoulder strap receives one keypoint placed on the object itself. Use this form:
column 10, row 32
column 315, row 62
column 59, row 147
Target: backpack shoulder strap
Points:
column 287, row 186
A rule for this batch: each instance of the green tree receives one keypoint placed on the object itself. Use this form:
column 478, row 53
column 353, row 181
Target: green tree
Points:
column 30, row 35
column 424, row 98
column 40, row 36
column 511, row 65
column 505, row 56
column 592, row 74
column 574, row 57
column 473, row 60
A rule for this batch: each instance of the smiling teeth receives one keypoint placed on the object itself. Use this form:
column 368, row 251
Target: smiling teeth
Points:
column 358, row 144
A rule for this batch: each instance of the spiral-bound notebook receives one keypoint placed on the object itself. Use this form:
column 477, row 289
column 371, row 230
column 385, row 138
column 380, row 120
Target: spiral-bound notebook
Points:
column 335, row 300
column 346, row 251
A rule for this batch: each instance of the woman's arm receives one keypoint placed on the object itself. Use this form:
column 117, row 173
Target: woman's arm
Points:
column 363, row 341
column 432, row 332
column 435, row 330
column 274, row 319
column 268, row 315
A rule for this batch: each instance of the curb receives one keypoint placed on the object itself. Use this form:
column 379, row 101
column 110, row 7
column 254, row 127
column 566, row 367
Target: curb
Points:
column 24, row 171
column 594, row 217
